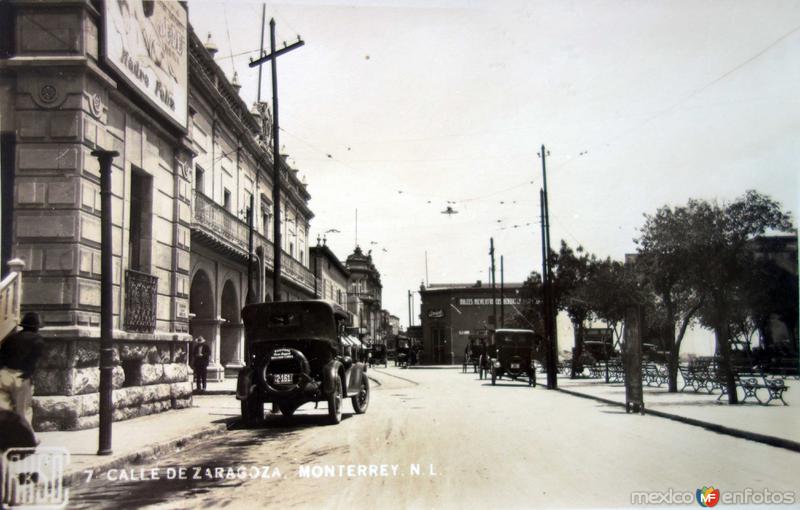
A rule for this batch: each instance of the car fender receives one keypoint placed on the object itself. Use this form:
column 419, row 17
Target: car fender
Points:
column 245, row 385
column 354, row 375
column 329, row 373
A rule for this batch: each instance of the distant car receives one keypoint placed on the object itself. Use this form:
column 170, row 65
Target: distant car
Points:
column 513, row 355
column 298, row 352
column 378, row 355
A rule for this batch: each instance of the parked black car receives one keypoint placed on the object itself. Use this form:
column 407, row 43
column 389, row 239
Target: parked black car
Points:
column 297, row 352
column 514, row 355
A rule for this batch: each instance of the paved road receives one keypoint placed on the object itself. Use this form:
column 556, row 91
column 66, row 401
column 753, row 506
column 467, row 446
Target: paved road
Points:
column 474, row 445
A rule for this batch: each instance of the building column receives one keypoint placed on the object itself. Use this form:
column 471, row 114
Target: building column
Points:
column 231, row 369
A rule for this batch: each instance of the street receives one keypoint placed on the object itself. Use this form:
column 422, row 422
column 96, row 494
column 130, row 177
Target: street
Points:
column 438, row 438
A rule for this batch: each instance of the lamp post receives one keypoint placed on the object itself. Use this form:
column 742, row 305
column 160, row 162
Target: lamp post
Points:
column 105, row 157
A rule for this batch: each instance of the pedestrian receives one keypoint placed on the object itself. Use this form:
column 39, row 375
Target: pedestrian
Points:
column 19, row 353
column 202, row 353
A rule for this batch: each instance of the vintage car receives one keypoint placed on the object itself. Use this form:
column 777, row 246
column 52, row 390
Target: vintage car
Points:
column 298, row 352
column 513, row 355
column 378, row 355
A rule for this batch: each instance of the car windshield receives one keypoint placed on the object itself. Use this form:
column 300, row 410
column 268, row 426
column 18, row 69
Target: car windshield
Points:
column 515, row 338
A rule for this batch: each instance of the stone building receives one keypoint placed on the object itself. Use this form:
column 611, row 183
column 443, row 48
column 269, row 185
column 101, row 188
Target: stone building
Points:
column 232, row 166
column 330, row 274
column 454, row 314
column 364, row 293
column 72, row 80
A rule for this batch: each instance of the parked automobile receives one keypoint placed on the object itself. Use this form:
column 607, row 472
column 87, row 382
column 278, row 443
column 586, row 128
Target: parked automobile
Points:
column 298, row 352
column 513, row 355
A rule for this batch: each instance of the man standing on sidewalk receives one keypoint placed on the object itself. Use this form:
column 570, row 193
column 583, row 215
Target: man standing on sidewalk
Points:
column 202, row 353
column 19, row 353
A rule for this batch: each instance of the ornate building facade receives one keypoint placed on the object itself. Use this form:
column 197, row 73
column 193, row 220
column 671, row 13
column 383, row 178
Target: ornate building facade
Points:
column 191, row 156
column 364, row 294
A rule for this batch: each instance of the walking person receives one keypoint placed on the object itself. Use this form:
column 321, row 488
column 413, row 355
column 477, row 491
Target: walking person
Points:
column 202, row 354
column 19, row 353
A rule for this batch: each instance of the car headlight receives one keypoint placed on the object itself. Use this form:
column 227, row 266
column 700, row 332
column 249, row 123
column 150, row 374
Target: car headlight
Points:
column 496, row 364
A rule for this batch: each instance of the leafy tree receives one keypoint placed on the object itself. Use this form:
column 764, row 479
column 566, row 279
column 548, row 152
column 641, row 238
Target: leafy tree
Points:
column 529, row 314
column 717, row 236
column 666, row 262
column 572, row 271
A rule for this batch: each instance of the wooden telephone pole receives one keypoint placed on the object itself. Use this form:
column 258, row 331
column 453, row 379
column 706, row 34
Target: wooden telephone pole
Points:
column 276, row 156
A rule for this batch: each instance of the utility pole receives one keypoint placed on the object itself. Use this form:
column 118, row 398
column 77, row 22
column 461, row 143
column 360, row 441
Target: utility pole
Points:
column 552, row 381
column 261, row 48
column 409, row 310
column 426, row 268
column 502, row 295
column 494, row 287
column 106, row 402
column 549, row 355
column 276, row 156
column 251, row 292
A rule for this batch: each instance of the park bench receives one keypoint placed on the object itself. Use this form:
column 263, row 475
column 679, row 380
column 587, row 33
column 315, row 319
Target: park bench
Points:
column 775, row 386
column 616, row 372
column 597, row 370
column 652, row 374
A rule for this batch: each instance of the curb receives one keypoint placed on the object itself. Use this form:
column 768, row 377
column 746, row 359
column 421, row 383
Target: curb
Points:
column 778, row 442
column 72, row 478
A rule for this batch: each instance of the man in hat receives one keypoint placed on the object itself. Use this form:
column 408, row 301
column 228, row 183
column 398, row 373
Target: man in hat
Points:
column 19, row 353
column 201, row 353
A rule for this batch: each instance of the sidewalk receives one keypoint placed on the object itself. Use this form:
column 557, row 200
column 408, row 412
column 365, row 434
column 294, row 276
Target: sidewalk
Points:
column 148, row 436
column 775, row 424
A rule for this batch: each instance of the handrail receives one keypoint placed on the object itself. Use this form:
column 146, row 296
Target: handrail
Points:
column 11, row 298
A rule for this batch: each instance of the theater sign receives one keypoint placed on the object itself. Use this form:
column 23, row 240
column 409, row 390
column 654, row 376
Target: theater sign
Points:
column 146, row 44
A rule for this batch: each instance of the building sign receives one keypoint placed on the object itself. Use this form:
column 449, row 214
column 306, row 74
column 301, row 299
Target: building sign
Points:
column 488, row 301
column 145, row 42
column 436, row 314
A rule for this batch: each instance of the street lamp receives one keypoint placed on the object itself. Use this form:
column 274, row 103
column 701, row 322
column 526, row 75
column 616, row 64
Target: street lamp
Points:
column 105, row 157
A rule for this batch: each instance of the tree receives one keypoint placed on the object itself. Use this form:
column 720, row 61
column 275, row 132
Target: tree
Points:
column 571, row 276
column 666, row 262
column 717, row 237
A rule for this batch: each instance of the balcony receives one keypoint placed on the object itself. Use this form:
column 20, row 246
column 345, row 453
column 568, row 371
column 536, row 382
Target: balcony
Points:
column 224, row 229
column 140, row 301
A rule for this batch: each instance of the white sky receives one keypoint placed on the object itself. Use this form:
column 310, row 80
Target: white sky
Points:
column 451, row 100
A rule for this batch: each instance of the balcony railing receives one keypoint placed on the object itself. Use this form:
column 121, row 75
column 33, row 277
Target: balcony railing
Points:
column 220, row 222
column 141, row 292
column 217, row 221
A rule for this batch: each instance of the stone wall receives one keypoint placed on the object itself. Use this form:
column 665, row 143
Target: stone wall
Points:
column 148, row 377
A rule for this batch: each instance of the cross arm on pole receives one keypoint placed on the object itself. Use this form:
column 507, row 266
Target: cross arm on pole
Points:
column 276, row 53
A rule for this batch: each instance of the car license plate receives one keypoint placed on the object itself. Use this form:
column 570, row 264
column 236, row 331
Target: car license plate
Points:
column 515, row 365
column 283, row 378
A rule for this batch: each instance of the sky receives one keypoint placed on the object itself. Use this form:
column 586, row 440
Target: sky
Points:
column 398, row 109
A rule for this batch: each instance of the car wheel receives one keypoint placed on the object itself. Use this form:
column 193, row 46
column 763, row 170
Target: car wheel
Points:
column 252, row 410
column 494, row 377
column 335, row 402
column 361, row 401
